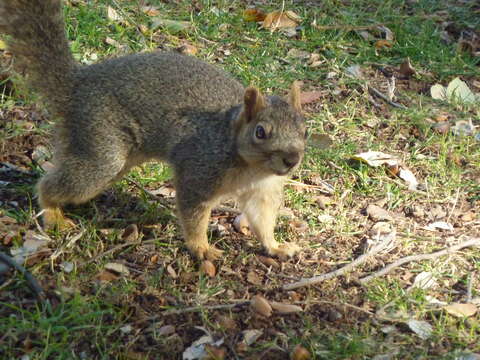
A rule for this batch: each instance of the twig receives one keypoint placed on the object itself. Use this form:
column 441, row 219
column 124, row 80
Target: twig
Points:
column 200, row 308
column 345, row 269
column 385, row 98
column 31, row 281
column 420, row 257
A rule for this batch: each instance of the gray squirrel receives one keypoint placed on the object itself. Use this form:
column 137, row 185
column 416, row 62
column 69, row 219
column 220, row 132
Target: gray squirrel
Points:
column 221, row 139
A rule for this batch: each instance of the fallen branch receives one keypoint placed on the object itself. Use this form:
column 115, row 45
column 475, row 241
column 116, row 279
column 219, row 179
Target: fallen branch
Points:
column 384, row 97
column 31, row 281
column 387, row 240
column 420, row 257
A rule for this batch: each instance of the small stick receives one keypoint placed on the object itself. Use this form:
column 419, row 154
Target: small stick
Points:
column 420, row 257
column 31, row 281
column 201, row 308
column 345, row 269
column 385, row 98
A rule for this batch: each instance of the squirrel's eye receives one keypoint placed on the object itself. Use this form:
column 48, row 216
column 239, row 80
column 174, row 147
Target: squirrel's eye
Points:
column 260, row 132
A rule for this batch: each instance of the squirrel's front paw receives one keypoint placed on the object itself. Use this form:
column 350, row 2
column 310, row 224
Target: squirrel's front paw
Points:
column 204, row 251
column 53, row 218
column 285, row 250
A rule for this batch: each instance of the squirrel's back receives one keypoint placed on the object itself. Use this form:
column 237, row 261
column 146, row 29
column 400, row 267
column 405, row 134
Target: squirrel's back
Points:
column 158, row 82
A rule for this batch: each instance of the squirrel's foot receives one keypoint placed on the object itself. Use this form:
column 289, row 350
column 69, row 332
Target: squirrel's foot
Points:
column 285, row 250
column 53, row 218
column 204, row 251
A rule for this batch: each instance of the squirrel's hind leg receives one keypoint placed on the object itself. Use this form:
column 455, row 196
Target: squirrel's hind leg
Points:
column 74, row 181
column 261, row 205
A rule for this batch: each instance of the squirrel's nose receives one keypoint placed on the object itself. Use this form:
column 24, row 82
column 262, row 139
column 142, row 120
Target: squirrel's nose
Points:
column 291, row 159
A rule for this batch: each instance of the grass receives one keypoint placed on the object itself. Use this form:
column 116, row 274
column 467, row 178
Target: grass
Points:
column 121, row 318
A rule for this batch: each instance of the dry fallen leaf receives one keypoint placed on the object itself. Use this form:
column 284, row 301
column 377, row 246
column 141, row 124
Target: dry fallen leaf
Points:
column 310, row 96
column 376, row 158
column 253, row 15
column 150, row 10
column 171, row 271
column 461, row 310
column 250, row 336
column 117, row 268
column 130, row 234
column 261, row 306
column 214, row 352
column 407, row 176
column 113, row 15
column 320, row 141
column 458, row 90
column 300, row 353
column 422, row 328
column 240, row 224
column 406, row 68
column 380, row 44
column 442, row 225
column 285, row 308
column 277, row 20
column 106, row 276
column 174, row 26
column 268, row 261
column 376, row 213
column 424, row 280
column 253, row 278
column 187, row 49
column 438, row 92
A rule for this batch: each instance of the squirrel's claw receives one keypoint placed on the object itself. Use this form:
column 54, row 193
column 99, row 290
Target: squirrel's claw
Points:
column 53, row 218
column 285, row 250
column 205, row 251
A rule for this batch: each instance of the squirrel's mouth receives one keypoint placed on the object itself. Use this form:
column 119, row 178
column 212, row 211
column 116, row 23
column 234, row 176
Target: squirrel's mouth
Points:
column 282, row 172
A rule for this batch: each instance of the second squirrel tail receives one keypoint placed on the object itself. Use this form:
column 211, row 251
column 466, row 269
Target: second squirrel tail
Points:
column 37, row 40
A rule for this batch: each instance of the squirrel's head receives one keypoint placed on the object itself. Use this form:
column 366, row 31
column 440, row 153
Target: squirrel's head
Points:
column 271, row 131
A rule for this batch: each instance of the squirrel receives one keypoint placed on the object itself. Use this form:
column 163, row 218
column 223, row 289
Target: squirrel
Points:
column 221, row 139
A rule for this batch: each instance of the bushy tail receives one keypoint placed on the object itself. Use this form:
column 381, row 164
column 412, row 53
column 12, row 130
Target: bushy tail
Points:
column 37, row 40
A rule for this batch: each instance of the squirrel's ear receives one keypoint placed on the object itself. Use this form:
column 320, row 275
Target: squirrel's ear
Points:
column 253, row 101
column 294, row 96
